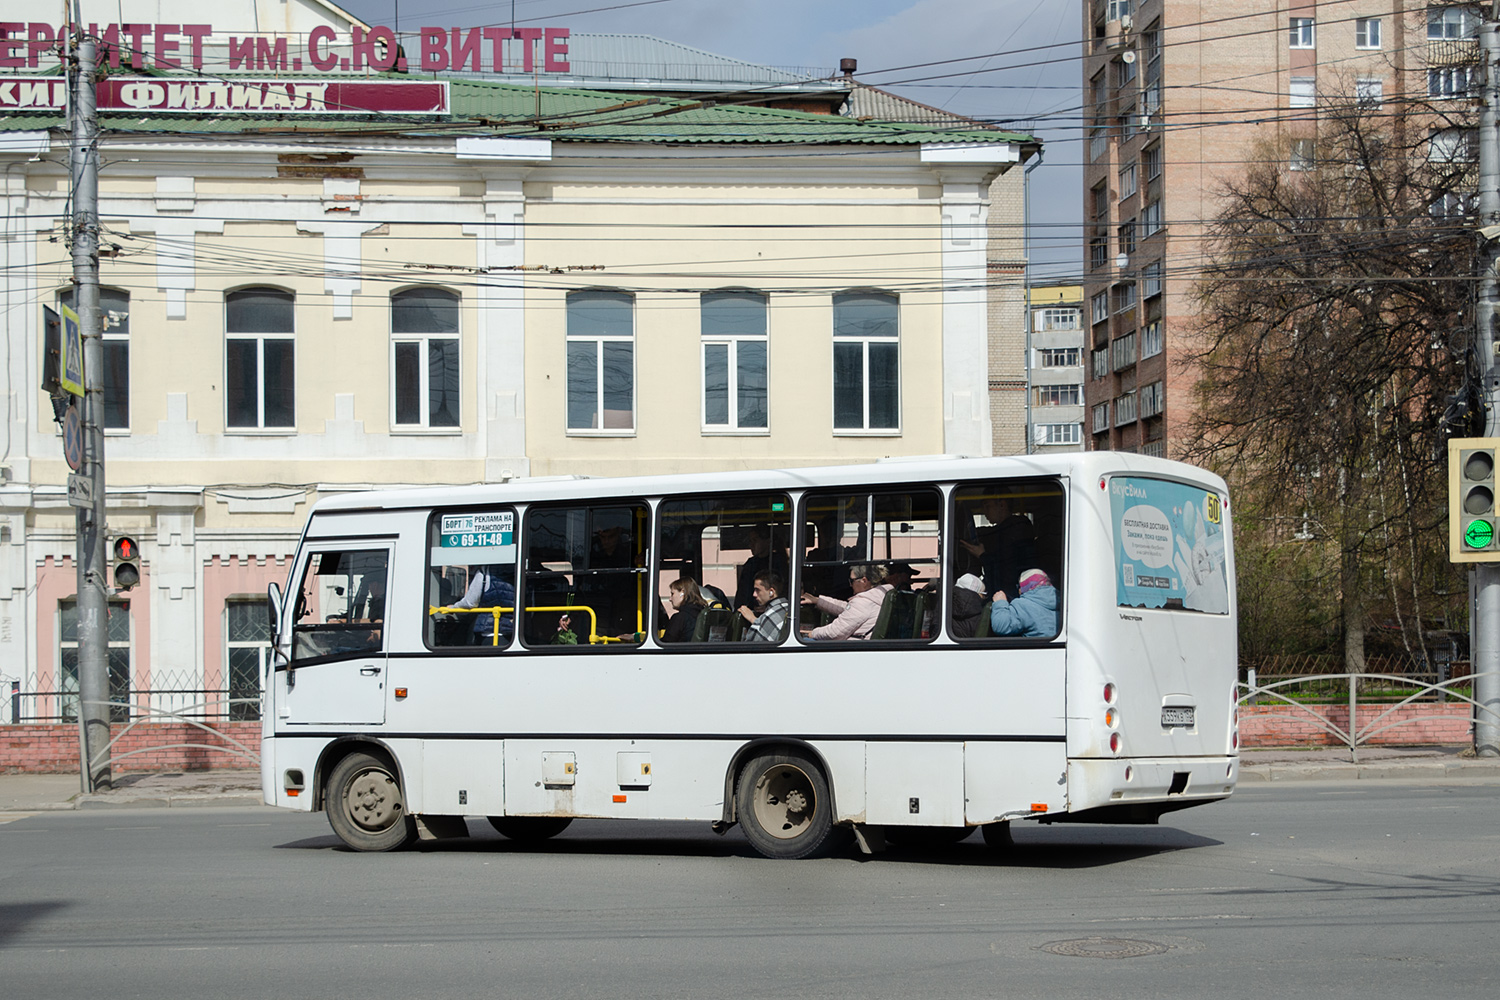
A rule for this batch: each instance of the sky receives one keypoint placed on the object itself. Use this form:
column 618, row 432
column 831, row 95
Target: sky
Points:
column 1035, row 91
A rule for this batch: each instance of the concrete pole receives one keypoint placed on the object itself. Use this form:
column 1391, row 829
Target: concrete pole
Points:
column 1485, row 627
column 91, row 559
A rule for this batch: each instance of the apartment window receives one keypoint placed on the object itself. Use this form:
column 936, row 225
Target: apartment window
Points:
column 1452, row 22
column 1453, row 205
column 1058, row 434
column 1100, row 415
column 1303, row 154
column 1057, row 395
column 1150, row 101
column 1127, row 237
column 425, row 358
column 1122, row 351
column 733, row 326
column 1367, row 33
column 1058, row 357
column 1124, row 296
column 1151, row 278
column 1125, row 409
column 1304, row 92
column 1098, row 252
column 1151, row 44
column 1151, row 340
column 1099, row 307
column 1124, row 72
column 1452, row 81
column 1059, row 319
column 1098, row 144
column 1154, row 449
column 1368, row 92
column 114, row 317
column 1116, row 9
column 1150, row 400
column 1127, row 181
column 260, row 370
column 1101, row 362
column 1151, row 161
column 1151, row 218
column 601, row 361
column 1100, row 201
column 1301, row 35
column 866, row 362
column 1454, row 145
column 117, row 658
column 247, row 641
column 1127, row 123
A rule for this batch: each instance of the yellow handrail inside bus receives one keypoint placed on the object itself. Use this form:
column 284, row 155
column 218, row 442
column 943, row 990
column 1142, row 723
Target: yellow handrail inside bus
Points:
column 594, row 636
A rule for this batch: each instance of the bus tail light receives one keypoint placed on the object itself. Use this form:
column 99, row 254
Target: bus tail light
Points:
column 1110, row 693
column 1129, row 772
column 1111, row 718
column 1115, row 742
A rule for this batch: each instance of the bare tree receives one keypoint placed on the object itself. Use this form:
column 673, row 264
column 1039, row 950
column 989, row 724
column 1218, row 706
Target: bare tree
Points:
column 1334, row 324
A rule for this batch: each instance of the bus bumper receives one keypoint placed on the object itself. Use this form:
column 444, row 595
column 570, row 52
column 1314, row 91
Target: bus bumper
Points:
column 1094, row 783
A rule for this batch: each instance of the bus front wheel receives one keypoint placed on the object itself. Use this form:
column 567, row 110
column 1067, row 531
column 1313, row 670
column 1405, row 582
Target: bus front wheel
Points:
column 529, row 829
column 784, row 806
column 365, row 805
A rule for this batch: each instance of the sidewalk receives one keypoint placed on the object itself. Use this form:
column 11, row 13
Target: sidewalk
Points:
column 177, row 790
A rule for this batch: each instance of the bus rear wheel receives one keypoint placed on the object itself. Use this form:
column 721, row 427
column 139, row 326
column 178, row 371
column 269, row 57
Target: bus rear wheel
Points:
column 529, row 829
column 365, row 805
column 784, row 806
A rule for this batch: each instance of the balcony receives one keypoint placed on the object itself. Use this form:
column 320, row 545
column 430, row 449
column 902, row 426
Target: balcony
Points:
column 1453, row 52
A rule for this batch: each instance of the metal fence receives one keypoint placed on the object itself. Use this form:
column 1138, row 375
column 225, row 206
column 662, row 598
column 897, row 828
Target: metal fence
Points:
column 179, row 696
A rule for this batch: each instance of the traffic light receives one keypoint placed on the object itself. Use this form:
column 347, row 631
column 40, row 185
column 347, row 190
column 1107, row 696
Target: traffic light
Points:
column 1473, row 529
column 127, row 563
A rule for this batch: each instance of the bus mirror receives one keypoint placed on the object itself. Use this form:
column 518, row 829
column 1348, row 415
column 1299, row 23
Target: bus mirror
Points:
column 273, row 608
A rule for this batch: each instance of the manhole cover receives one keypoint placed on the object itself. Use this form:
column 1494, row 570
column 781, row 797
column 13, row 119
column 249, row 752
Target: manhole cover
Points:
column 1097, row 947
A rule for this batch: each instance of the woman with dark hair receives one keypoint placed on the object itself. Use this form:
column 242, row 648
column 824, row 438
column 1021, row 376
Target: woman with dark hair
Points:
column 687, row 601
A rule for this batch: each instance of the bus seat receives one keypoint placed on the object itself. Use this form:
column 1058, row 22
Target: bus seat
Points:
column 982, row 627
column 897, row 613
column 714, row 624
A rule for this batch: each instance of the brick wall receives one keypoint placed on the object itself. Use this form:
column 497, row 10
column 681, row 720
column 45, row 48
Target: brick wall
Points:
column 1264, row 726
column 53, row 749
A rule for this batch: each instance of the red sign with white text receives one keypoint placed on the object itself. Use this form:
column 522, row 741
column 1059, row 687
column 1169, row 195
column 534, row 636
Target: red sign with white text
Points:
column 165, row 95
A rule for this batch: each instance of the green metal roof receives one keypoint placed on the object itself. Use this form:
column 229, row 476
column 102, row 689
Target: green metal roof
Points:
column 481, row 108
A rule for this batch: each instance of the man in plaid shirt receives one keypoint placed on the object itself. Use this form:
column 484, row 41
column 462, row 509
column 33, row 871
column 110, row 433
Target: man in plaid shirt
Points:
column 770, row 624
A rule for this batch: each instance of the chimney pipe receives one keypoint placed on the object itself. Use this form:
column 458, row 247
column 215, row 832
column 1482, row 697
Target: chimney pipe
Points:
column 847, row 67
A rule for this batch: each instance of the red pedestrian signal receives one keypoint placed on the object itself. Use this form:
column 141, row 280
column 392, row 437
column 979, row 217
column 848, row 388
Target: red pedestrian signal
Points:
column 127, row 572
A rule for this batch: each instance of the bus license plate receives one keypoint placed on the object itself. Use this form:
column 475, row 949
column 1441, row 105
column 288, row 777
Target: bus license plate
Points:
column 1174, row 715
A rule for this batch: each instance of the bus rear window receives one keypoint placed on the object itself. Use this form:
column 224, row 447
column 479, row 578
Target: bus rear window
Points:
column 1169, row 546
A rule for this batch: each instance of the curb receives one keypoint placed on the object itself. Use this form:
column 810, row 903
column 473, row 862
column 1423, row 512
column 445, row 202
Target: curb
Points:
column 167, row 802
column 1374, row 771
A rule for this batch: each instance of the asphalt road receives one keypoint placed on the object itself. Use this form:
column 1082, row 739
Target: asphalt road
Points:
column 1365, row 889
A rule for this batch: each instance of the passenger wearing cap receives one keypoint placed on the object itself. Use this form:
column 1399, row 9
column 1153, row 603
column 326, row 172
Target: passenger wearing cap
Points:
column 900, row 575
column 968, row 605
column 1032, row 613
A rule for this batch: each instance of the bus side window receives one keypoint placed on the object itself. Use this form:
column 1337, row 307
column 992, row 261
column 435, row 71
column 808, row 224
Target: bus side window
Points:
column 471, row 583
column 341, row 603
column 585, row 578
column 713, row 551
column 1007, row 539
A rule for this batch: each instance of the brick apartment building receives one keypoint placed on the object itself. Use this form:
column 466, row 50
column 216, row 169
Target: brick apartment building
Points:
column 1177, row 94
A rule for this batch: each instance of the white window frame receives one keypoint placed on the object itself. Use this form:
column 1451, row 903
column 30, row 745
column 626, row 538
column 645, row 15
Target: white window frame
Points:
column 1122, row 352
column 1450, row 23
column 1060, row 318
column 263, row 646
column 1100, row 413
column 422, row 341
column 1302, row 32
column 1058, row 357
column 1150, row 340
column 1369, row 91
column 599, row 340
column 866, row 342
column 1058, row 434
column 1449, row 82
column 1057, row 395
column 1151, row 161
column 1150, row 400
column 1304, row 154
column 1099, row 307
column 1100, row 360
column 1127, row 179
column 1367, row 33
column 260, row 340
column 1126, row 299
column 1151, row 277
column 732, row 342
column 1151, row 219
column 1302, row 92
column 1125, row 409
column 1453, row 145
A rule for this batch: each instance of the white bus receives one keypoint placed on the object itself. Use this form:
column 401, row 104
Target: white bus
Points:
column 507, row 651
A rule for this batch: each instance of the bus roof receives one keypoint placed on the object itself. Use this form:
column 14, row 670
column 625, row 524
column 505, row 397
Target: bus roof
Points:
column 904, row 470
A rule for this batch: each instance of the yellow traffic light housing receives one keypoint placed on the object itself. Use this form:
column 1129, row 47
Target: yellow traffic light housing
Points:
column 1473, row 528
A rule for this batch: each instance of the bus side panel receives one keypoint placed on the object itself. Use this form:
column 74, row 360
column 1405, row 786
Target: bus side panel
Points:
column 569, row 776
column 915, row 784
column 461, row 777
column 1006, row 780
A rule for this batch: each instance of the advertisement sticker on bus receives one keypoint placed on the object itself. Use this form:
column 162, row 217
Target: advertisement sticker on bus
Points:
column 1169, row 545
column 472, row 538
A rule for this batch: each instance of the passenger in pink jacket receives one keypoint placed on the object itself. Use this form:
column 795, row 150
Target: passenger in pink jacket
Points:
column 856, row 616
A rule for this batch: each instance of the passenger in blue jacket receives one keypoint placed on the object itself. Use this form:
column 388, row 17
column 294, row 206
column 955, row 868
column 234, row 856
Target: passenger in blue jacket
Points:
column 1032, row 613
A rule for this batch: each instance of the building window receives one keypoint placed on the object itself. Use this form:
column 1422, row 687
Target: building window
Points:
column 247, row 643
column 1124, row 296
column 1151, row 400
column 1127, row 181
column 1151, row 340
column 1367, row 33
column 1058, row 357
column 1304, row 92
column 1101, row 201
column 117, row 635
column 1116, row 9
column 1151, row 278
column 1452, row 205
column 1452, row 81
column 1127, row 237
column 1059, row 319
column 1058, row 434
column 1151, row 43
column 1125, row 409
column 425, row 358
column 1057, row 395
column 733, row 326
column 1122, row 352
column 1100, row 418
column 1154, row 449
column 1454, row 145
column 114, row 317
column 1301, row 35
column 601, row 361
column 866, row 362
column 1124, row 72
column 1127, row 123
column 1098, row 143
column 260, row 372
column 1151, row 218
column 1452, row 22
column 1098, row 252
column 1101, row 362
column 1151, row 161
column 1099, row 307
column 1303, row 154
column 1368, row 92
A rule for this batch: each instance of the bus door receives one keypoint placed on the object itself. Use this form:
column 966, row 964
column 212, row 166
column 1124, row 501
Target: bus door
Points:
column 337, row 673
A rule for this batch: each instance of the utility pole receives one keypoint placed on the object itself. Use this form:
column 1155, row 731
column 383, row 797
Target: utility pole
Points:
column 93, row 600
